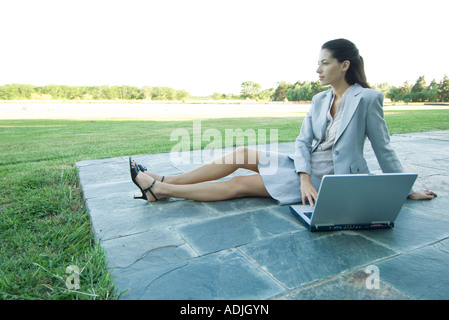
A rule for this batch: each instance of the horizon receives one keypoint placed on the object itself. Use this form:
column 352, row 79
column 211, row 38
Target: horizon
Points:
column 410, row 83
column 204, row 47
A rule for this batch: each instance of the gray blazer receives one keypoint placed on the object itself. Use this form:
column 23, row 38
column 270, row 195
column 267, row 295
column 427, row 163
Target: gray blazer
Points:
column 362, row 117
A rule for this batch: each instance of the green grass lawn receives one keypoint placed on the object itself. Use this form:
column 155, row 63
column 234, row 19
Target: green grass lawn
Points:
column 44, row 223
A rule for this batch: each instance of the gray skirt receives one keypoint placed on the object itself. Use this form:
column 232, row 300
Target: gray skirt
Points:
column 280, row 178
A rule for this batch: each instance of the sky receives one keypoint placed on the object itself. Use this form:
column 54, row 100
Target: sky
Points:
column 208, row 46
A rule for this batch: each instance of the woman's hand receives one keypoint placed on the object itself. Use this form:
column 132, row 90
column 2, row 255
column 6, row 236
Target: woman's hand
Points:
column 422, row 195
column 308, row 191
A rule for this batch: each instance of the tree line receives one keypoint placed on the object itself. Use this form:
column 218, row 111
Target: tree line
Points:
column 62, row 92
column 283, row 91
column 419, row 92
column 304, row 91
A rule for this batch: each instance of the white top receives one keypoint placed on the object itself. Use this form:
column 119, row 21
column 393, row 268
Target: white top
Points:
column 321, row 161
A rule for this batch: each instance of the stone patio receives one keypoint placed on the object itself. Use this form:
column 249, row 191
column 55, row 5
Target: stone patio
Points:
column 254, row 249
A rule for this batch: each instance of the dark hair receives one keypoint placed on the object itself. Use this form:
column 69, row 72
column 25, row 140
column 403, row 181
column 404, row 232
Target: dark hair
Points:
column 342, row 50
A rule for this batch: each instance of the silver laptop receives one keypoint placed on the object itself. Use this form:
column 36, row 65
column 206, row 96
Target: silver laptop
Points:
column 356, row 202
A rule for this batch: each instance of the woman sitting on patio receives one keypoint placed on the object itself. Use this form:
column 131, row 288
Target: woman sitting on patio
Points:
column 331, row 141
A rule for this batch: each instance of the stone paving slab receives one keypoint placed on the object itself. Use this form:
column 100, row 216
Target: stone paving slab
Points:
column 211, row 276
column 253, row 248
column 234, row 230
column 422, row 274
column 309, row 258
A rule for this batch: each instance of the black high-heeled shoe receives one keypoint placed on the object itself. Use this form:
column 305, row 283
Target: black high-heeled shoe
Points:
column 134, row 172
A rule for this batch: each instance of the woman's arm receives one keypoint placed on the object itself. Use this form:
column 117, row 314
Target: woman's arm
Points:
column 302, row 157
column 423, row 195
column 377, row 133
column 303, row 146
column 303, row 143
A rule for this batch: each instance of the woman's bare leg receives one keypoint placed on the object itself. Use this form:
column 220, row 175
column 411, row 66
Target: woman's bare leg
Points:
column 237, row 187
column 242, row 157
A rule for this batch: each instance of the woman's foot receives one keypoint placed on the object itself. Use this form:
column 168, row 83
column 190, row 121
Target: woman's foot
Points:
column 144, row 182
column 149, row 185
column 145, row 171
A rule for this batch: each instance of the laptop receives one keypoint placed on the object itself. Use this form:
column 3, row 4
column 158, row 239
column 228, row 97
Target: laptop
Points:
column 356, row 202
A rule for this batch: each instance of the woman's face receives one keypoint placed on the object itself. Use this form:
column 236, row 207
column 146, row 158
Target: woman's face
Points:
column 331, row 71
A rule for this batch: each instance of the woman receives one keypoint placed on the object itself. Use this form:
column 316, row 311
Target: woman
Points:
column 330, row 142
